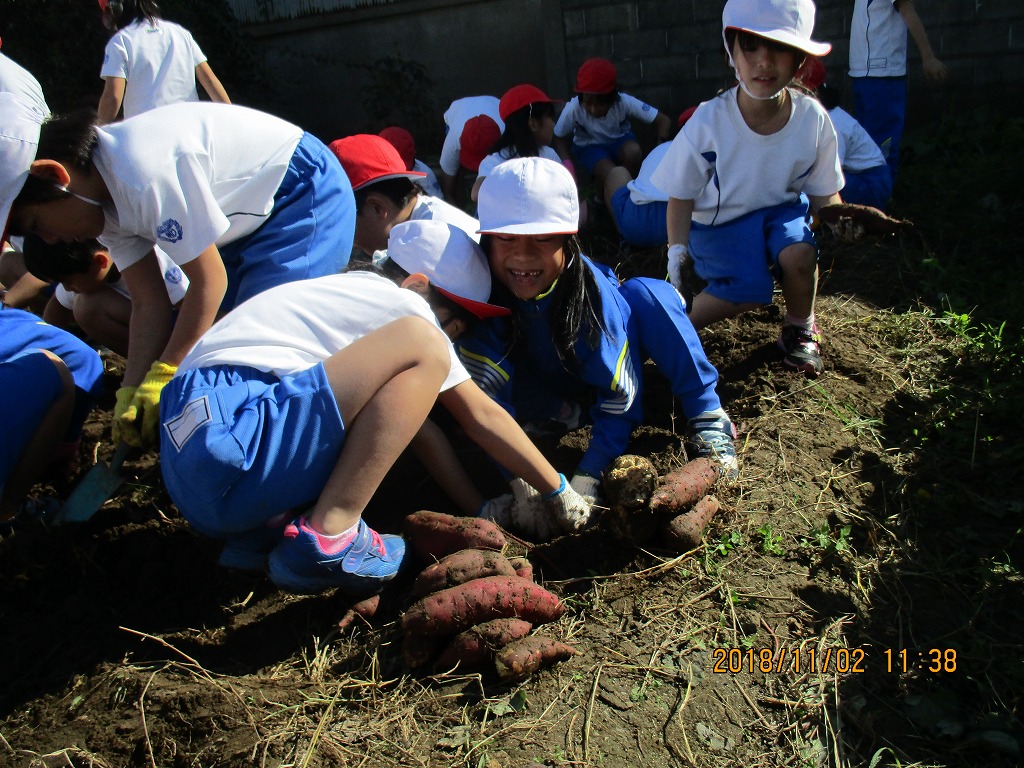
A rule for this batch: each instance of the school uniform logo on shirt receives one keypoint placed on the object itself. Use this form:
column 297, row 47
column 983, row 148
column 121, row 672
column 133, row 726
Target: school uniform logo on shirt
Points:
column 170, row 231
column 173, row 276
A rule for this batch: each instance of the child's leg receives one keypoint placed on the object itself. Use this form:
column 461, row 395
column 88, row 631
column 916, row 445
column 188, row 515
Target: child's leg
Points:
column 631, row 156
column 799, row 266
column 707, row 309
column 600, row 172
column 105, row 316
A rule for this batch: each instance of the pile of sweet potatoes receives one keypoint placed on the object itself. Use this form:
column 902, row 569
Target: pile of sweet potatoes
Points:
column 679, row 505
column 475, row 605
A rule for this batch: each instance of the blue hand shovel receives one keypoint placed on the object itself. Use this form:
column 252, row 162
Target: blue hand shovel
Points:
column 94, row 489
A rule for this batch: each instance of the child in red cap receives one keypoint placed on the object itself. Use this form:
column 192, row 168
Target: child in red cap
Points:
column 597, row 122
column 404, row 142
column 472, row 125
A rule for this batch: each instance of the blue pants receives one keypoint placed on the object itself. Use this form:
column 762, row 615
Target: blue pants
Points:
column 869, row 187
column 309, row 231
column 641, row 225
column 30, row 385
column 880, row 105
column 667, row 336
column 239, row 447
column 590, row 155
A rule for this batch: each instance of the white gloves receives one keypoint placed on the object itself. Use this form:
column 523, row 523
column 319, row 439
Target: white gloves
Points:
column 497, row 510
column 544, row 517
column 677, row 254
column 528, row 512
column 571, row 504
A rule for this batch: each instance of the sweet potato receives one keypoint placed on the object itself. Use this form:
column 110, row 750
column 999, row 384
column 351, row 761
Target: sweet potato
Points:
column 874, row 221
column 434, row 535
column 418, row 649
column 478, row 644
column 684, row 532
column 523, row 657
column 628, row 485
column 460, row 567
column 683, row 487
column 494, row 597
column 365, row 608
column 523, row 566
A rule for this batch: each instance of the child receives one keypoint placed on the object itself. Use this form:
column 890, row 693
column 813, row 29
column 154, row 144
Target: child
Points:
column 239, row 199
column 386, row 192
column 150, row 62
column 598, row 122
column 738, row 170
column 471, row 126
column 310, row 392
column 576, row 334
column 529, row 117
column 92, row 293
column 868, row 179
column 50, row 380
column 404, row 142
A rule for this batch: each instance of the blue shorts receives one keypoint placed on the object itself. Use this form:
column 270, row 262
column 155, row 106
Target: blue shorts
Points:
column 869, row 187
column 31, row 385
column 641, row 225
column 739, row 259
column 308, row 233
column 590, row 155
column 239, row 447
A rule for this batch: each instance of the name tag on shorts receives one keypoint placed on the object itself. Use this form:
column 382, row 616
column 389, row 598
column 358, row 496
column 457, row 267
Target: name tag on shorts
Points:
column 181, row 428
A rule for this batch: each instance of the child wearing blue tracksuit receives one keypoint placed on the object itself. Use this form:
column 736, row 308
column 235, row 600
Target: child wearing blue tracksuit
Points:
column 575, row 333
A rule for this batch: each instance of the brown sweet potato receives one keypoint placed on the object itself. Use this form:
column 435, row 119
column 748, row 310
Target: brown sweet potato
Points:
column 478, row 644
column 874, row 221
column 494, row 597
column 365, row 608
column 523, row 657
column 460, row 567
column 523, row 566
column 683, row 487
column 434, row 535
column 684, row 532
column 629, row 482
column 418, row 650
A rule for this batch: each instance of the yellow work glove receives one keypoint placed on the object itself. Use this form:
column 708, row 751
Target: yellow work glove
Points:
column 124, row 396
column 138, row 423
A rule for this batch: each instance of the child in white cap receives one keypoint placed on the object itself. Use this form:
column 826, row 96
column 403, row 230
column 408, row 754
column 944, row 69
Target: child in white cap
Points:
column 310, row 392
column 239, row 199
column 576, row 335
column 737, row 174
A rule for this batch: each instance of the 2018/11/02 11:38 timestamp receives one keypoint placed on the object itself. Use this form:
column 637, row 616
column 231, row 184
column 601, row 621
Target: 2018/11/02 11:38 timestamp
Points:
column 830, row 660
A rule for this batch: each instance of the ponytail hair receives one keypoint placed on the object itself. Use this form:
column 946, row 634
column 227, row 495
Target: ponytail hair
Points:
column 517, row 134
column 126, row 12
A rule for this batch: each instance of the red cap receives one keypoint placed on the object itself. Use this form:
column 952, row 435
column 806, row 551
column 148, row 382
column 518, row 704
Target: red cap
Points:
column 686, row 114
column 811, row 74
column 479, row 134
column 520, row 96
column 596, row 76
column 367, row 158
column 403, row 141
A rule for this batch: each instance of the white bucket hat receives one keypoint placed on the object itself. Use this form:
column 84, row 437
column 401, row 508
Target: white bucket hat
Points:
column 19, row 140
column 449, row 258
column 529, row 196
column 785, row 21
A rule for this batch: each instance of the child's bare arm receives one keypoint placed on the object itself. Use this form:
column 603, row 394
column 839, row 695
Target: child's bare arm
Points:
column 680, row 214
column 57, row 315
column 110, row 99
column 435, row 451
column 663, row 125
column 211, row 84
column 493, row 429
column 933, row 68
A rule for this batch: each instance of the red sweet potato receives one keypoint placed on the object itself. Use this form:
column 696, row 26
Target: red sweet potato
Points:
column 494, row 597
column 460, row 567
column 682, row 487
column 523, row 657
column 365, row 608
column 478, row 644
column 523, row 566
column 684, row 532
column 434, row 535
column 418, row 649
column 874, row 221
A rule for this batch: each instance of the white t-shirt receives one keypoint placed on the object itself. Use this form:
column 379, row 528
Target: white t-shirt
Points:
column 158, row 61
column 17, row 80
column 729, row 170
column 641, row 190
column 495, row 159
column 434, row 208
column 429, row 182
column 455, row 118
column 190, row 175
column 291, row 327
column 857, row 150
column 878, row 40
column 175, row 281
column 584, row 129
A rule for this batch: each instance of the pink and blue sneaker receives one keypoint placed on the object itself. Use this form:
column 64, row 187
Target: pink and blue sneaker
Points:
column 299, row 563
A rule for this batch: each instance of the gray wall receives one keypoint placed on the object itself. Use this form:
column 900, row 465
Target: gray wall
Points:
column 667, row 52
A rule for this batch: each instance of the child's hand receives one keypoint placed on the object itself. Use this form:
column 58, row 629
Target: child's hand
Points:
column 498, row 510
column 570, row 507
column 529, row 513
column 137, row 413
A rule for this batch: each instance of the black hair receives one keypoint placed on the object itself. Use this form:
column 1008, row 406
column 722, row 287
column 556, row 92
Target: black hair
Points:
column 52, row 262
column 829, row 96
column 69, row 139
column 397, row 190
column 604, row 98
column 748, row 37
column 125, row 12
column 576, row 308
column 517, row 133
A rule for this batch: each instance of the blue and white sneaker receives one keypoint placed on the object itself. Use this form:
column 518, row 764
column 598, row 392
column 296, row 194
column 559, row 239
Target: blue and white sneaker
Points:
column 299, row 564
column 713, row 439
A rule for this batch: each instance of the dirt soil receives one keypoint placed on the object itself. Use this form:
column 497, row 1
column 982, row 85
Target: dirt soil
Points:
column 852, row 533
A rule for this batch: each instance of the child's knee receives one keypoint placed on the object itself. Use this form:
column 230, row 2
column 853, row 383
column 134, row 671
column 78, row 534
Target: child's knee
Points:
column 799, row 257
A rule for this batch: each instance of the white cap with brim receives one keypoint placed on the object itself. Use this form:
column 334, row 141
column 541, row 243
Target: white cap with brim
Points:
column 19, row 139
column 789, row 22
column 449, row 258
column 529, row 196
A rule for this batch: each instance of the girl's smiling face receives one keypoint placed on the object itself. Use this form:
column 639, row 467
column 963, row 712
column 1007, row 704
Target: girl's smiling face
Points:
column 764, row 66
column 527, row 265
